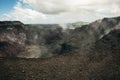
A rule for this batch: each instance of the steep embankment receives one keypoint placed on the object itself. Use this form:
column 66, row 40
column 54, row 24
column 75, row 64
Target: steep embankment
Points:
column 51, row 39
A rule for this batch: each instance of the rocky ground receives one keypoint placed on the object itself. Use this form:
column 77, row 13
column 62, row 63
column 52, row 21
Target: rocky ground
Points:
column 65, row 67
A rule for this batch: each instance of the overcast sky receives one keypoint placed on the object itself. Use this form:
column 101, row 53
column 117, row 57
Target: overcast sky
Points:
column 58, row 11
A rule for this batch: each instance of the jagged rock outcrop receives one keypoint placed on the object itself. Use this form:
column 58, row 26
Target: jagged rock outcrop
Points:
column 36, row 40
column 85, row 36
column 48, row 40
column 109, row 43
column 10, row 49
column 12, row 31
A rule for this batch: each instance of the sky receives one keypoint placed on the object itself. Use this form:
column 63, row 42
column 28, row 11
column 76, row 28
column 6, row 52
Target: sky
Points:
column 6, row 5
column 57, row 11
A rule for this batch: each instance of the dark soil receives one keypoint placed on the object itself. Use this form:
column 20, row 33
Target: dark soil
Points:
column 64, row 67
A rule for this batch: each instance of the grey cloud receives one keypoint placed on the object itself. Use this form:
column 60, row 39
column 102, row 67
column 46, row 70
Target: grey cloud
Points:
column 62, row 11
